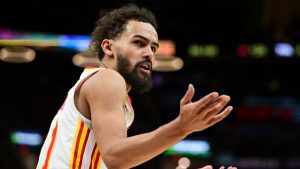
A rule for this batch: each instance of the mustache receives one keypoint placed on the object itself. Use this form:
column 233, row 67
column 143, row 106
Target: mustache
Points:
column 147, row 60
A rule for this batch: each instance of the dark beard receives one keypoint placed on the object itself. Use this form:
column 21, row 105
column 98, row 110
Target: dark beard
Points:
column 138, row 84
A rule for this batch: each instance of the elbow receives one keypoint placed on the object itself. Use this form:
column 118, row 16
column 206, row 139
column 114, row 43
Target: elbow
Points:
column 111, row 163
column 114, row 162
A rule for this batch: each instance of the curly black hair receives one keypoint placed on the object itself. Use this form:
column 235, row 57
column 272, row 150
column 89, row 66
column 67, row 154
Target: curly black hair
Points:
column 113, row 23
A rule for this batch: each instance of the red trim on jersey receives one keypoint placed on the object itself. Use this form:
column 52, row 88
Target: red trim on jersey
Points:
column 50, row 149
column 90, row 67
column 93, row 152
column 83, row 147
column 83, row 80
column 97, row 160
column 63, row 105
column 77, row 144
column 129, row 99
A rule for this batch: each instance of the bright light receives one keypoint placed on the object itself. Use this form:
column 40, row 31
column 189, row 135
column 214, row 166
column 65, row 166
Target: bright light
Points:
column 211, row 50
column 258, row 50
column 194, row 50
column 17, row 54
column 205, row 50
column 297, row 49
column 242, row 50
column 166, row 48
column 77, row 42
column 167, row 64
column 190, row 148
column 17, row 38
column 84, row 59
column 26, row 138
column 284, row 50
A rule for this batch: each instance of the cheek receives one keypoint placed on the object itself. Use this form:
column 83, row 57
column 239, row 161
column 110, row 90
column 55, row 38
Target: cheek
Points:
column 132, row 60
column 133, row 64
column 133, row 57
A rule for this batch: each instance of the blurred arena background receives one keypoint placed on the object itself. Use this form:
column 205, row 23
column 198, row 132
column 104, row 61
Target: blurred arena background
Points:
column 249, row 50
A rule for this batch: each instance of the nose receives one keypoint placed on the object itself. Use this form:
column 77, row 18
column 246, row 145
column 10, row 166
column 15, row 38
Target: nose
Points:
column 148, row 53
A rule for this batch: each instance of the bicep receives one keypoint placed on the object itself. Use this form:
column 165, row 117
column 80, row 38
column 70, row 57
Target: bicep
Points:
column 105, row 94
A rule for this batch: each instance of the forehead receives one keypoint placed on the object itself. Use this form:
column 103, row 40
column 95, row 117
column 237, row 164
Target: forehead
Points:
column 141, row 28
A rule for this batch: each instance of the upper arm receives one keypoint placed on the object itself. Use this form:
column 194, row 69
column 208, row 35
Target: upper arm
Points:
column 105, row 93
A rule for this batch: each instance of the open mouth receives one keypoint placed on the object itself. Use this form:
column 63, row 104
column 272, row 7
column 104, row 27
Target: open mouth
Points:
column 146, row 67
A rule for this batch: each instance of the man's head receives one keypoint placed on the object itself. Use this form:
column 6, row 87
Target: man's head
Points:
column 126, row 38
column 113, row 23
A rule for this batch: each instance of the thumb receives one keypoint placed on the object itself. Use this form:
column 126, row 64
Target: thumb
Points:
column 187, row 98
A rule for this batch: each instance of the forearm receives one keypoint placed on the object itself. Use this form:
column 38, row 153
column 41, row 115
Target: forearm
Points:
column 132, row 151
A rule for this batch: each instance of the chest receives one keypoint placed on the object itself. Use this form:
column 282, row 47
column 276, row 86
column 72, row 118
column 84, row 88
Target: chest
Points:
column 128, row 113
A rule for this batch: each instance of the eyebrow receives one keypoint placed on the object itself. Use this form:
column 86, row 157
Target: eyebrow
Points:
column 146, row 39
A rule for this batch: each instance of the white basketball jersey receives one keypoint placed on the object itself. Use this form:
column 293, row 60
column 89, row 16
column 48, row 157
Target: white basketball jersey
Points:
column 70, row 142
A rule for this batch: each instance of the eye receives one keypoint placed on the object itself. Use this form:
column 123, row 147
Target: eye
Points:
column 139, row 43
column 154, row 49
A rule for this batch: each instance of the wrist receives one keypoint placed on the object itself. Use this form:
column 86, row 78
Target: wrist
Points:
column 180, row 128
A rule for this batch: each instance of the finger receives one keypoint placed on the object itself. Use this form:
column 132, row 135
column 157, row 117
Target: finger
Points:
column 207, row 167
column 187, row 98
column 206, row 100
column 220, row 116
column 222, row 167
column 216, row 105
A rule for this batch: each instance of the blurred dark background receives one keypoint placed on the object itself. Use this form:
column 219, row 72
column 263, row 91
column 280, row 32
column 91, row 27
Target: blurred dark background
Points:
column 261, row 132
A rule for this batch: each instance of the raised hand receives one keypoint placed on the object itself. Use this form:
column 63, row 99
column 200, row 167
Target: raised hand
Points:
column 203, row 113
column 210, row 167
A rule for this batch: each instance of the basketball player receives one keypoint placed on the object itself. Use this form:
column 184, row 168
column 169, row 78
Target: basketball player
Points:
column 90, row 128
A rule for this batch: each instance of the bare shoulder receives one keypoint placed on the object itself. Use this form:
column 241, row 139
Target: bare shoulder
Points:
column 109, row 75
column 105, row 82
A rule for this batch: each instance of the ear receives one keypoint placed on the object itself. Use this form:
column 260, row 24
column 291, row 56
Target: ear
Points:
column 106, row 47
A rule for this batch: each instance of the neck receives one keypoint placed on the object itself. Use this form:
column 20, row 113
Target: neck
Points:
column 107, row 64
column 102, row 65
